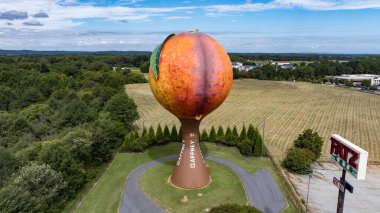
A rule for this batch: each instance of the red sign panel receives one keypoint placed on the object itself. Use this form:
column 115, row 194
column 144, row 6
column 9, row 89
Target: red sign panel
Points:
column 349, row 156
column 338, row 184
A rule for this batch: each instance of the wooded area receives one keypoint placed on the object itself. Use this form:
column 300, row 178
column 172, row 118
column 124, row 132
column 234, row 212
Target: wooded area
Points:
column 61, row 120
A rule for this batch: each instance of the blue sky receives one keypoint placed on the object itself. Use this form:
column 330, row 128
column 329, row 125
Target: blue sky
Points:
column 280, row 26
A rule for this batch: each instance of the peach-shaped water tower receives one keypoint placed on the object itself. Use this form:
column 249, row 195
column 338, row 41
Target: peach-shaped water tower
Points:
column 190, row 75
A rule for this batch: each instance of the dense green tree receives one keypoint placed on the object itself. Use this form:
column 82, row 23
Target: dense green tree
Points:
column 114, row 80
column 174, row 134
column 258, row 144
column 43, row 183
column 14, row 199
column 251, row 133
column 152, row 136
column 220, row 137
column 74, row 113
column 366, row 83
column 204, row 136
column 298, row 160
column 159, row 135
column 234, row 208
column 8, row 165
column 212, row 135
column 136, row 144
column 101, row 147
column 60, row 159
column 144, row 131
column 144, row 67
column 103, row 93
column 7, row 97
column 37, row 113
column 115, row 131
column 136, row 134
column 179, row 138
column 243, row 133
column 245, row 146
column 230, row 141
column 32, row 95
column 135, row 77
column 20, row 126
column 50, row 82
column 129, row 142
column 166, row 134
column 235, row 134
column 122, row 108
column 44, row 68
column 310, row 140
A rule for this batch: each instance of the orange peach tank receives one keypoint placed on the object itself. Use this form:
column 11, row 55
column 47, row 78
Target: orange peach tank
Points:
column 195, row 75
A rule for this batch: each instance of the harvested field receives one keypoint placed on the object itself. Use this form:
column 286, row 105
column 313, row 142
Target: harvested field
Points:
column 288, row 109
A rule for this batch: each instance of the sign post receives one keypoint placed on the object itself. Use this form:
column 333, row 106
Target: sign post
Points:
column 352, row 159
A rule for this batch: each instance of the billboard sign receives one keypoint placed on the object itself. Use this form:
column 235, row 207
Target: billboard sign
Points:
column 349, row 156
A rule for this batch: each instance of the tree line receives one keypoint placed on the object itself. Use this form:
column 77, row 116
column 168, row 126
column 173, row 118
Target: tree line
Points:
column 248, row 140
column 61, row 120
column 312, row 72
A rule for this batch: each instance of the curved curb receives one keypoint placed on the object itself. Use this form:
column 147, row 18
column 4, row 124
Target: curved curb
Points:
column 260, row 187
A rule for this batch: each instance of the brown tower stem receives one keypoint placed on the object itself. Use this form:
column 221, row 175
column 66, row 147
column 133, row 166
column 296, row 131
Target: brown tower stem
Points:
column 190, row 172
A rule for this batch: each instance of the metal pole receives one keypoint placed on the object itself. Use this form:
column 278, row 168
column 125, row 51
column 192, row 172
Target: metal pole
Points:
column 308, row 186
column 341, row 194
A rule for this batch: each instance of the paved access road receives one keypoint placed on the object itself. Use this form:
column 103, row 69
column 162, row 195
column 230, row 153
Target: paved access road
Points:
column 262, row 190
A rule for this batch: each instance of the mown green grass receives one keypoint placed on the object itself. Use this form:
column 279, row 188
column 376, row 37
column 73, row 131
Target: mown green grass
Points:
column 225, row 187
column 106, row 194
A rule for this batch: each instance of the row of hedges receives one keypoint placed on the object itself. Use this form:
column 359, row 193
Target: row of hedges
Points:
column 136, row 142
column 248, row 140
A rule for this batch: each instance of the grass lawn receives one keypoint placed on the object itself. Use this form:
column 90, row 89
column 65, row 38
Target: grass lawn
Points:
column 224, row 188
column 106, row 193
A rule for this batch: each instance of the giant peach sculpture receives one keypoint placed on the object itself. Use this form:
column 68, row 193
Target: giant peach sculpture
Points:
column 190, row 75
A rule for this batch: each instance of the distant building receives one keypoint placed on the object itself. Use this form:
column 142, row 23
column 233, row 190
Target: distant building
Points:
column 237, row 65
column 357, row 78
column 283, row 64
column 279, row 63
column 241, row 67
column 115, row 68
column 248, row 67
column 340, row 61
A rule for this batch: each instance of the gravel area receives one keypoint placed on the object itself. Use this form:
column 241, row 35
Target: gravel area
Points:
column 323, row 195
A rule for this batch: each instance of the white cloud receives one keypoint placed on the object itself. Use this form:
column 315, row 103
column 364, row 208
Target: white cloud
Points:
column 289, row 4
column 176, row 17
column 62, row 16
column 142, row 40
column 60, row 29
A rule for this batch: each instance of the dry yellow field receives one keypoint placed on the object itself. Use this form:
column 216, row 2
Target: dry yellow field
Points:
column 288, row 109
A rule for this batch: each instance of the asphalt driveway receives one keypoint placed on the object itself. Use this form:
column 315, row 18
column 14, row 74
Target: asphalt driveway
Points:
column 262, row 190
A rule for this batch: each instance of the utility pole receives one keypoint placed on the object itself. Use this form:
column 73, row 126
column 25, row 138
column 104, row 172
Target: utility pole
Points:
column 262, row 142
column 308, row 186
